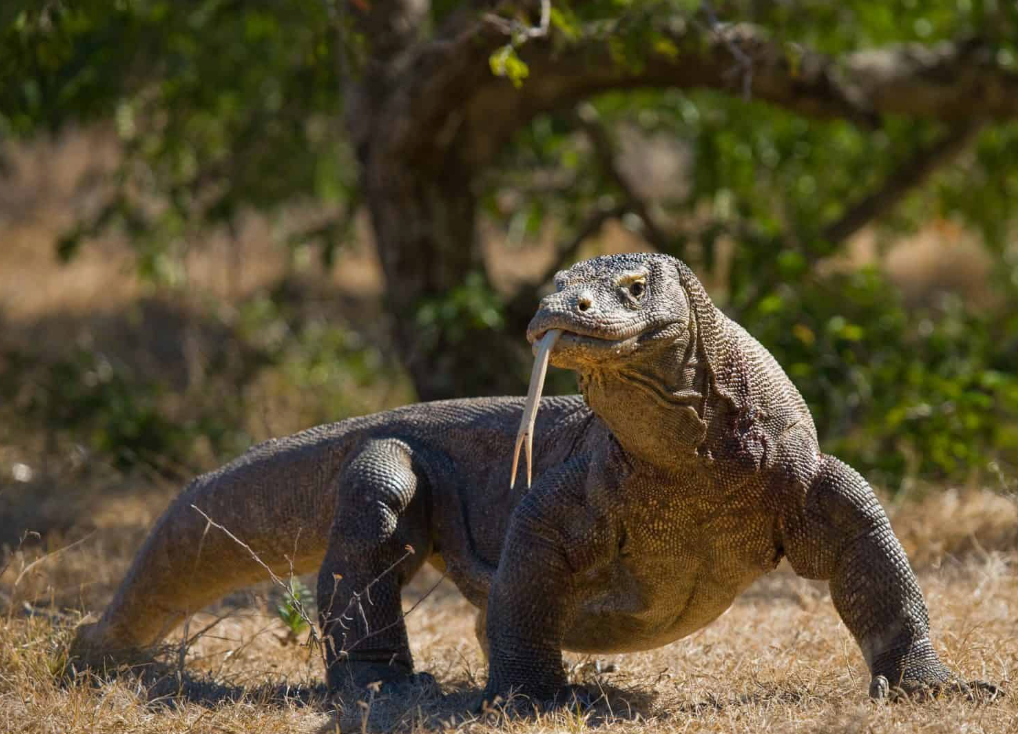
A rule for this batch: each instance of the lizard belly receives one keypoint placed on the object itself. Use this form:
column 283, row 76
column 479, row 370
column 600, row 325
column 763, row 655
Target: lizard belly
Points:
column 627, row 614
column 633, row 605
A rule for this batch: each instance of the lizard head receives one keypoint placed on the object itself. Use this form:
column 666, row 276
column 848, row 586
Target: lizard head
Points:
column 613, row 310
column 631, row 326
column 622, row 322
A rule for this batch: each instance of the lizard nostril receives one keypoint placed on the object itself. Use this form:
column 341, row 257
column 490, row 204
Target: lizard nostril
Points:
column 584, row 302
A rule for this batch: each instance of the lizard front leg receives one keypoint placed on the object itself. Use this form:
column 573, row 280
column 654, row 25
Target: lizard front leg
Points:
column 838, row 531
column 554, row 533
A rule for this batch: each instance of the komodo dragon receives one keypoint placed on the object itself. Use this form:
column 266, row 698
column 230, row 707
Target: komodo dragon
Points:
column 688, row 468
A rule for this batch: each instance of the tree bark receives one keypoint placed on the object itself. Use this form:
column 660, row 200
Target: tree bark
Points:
column 424, row 221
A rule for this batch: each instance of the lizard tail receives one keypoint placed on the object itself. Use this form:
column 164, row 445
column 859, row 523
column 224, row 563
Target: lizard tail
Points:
column 267, row 513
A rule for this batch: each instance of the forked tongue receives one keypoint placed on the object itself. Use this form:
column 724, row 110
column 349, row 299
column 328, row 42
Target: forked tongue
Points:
column 525, row 436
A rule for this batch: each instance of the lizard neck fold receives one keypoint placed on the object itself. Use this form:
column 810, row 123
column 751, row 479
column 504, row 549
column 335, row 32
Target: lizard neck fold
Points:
column 667, row 390
column 682, row 387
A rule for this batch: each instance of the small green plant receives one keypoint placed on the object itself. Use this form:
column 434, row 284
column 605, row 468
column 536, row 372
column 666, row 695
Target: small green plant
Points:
column 294, row 610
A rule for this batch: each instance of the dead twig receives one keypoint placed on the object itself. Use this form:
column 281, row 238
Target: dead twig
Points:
column 742, row 59
column 313, row 639
column 355, row 601
column 521, row 32
column 404, row 615
column 28, row 568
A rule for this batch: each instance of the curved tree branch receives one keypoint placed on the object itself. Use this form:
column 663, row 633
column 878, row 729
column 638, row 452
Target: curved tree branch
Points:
column 450, row 87
column 908, row 176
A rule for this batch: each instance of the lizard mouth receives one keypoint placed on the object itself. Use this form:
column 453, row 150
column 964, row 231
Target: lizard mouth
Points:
column 566, row 345
column 573, row 342
column 578, row 332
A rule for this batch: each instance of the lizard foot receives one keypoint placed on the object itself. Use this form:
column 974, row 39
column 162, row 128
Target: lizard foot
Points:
column 911, row 689
column 380, row 681
column 424, row 683
column 572, row 697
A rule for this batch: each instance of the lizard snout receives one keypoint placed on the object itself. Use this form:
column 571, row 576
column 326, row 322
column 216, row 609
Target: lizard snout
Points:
column 572, row 310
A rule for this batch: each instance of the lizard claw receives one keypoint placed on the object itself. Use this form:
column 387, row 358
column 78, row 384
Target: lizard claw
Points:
column 977, row 690
column 880, row 689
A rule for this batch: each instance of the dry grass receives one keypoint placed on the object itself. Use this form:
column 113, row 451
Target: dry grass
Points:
column 779, row 660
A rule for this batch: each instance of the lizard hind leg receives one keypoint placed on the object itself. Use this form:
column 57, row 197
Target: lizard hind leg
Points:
column 379, row 539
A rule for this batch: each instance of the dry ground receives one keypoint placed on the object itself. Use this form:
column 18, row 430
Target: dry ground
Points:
column 779, row 660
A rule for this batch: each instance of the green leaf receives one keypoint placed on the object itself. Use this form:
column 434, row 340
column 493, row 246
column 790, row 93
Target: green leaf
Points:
column 505, row 62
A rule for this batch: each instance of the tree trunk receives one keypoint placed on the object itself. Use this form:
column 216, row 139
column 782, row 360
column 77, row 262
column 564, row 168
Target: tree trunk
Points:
column 403, row 113
column 425, row 224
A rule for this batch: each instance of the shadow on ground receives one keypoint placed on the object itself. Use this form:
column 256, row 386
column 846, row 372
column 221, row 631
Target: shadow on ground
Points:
column 413, row 707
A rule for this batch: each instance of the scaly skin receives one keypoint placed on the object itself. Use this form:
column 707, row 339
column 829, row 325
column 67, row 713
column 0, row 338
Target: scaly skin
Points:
column 689, row 467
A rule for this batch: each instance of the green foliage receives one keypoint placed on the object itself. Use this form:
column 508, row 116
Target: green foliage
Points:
column 225, row 106
column 506, row 62
column 101, row 403
column 932, row 392
column 463, row 309
column 332, row 371
column 295, row 608
column 221, row 106
column 315, row 371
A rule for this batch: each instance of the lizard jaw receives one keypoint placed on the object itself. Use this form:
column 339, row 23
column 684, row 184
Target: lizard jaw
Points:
column 576, row 350
column 569, row 347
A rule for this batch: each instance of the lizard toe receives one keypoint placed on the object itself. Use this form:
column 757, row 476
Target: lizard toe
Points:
column 575, row 697
column 880, row 689
column 982, row 691
column 921, row 691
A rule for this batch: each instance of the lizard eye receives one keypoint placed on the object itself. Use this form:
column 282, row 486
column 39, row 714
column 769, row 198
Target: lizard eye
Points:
column 637, row 289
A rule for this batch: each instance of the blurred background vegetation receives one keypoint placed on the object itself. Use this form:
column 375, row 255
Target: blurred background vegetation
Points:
column 208, row 235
